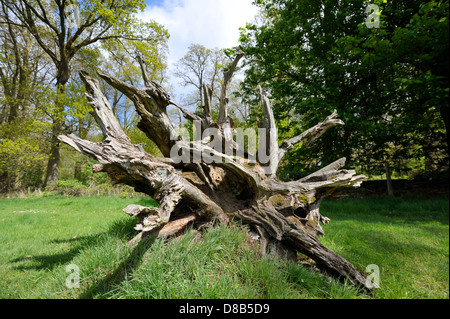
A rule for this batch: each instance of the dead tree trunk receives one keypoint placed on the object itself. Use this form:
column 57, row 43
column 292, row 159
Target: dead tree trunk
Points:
column 214, row 178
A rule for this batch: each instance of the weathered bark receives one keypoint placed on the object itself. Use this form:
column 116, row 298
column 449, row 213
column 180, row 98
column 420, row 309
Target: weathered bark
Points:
column 268, row 149
column 216, row 184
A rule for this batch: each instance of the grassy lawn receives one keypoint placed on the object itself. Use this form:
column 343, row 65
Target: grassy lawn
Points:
column 408, row 239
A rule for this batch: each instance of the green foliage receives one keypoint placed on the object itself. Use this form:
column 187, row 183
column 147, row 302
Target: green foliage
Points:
column 388, row 84
column 68, row 187
column 73, row 187
column 22, row 153
column 33, row 111
column 23, row 109
column 139, row 137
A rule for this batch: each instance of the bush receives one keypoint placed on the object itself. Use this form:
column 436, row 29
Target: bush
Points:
column 68, row 187
column 74, row 187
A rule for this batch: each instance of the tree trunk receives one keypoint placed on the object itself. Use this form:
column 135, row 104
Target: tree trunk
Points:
column 54, row 159
column 390, row 189
column 214, row 179
column 53, row 162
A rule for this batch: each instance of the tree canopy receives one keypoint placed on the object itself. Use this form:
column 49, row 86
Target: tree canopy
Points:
column 68, row 35
column 389, row 83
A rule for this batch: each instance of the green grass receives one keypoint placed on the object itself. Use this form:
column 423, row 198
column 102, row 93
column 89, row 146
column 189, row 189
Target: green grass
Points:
column 39, row 237
column 406, row 238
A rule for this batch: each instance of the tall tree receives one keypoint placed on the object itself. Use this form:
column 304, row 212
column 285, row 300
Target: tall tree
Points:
column 315, row 57
column 24, row 70
column 62, row 28
column 200, row 66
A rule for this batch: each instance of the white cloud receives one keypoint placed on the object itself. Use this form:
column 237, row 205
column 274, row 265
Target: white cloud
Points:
column 212, row 23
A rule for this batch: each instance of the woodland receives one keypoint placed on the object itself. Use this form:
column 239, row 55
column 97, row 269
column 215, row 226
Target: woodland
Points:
column 326, row 101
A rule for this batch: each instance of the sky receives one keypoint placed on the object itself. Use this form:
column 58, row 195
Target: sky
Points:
column 211, row 23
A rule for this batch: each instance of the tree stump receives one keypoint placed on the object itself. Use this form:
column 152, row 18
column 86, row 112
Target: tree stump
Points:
column 214, row 178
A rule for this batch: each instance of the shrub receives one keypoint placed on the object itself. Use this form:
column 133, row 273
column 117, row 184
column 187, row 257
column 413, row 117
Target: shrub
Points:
column 74, row 187
column 67, row 187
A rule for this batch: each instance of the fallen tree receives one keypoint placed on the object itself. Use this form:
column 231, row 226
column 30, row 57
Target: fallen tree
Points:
column 213, row 178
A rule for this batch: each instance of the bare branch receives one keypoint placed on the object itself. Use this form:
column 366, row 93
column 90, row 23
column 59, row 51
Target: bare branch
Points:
column 43, row 17
column 328, row 177
column 310, row 135
column 143, row 70
column 268, row 137
column 104, row 116
column 26, row 18
column 72, row 39
column 227, row 76
column 281, row 212
column 150, row 103
column 190, row 116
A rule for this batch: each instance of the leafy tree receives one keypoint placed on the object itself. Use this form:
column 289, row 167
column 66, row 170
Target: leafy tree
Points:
column 316, row 57
column 62, row 34
column 200, row 66
column 120, row 59
column 24, row 72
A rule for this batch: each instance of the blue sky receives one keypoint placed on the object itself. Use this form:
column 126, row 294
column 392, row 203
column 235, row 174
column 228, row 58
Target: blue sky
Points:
column 154, row 2
column 212, row 23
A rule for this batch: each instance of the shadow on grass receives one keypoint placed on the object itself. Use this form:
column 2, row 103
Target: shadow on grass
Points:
column 369, row 243
column 388, row 230
column 122, row 229
column 64, row 251
column 49, row 262
column 389, row 210
column 126, row 267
